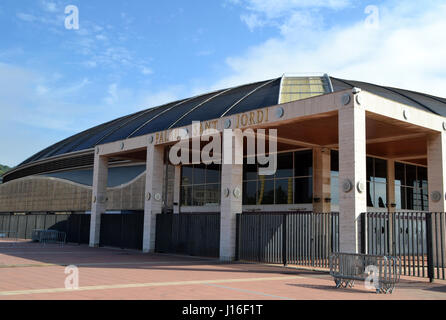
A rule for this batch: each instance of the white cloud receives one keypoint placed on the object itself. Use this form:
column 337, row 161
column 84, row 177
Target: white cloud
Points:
column 41, row 90
column 146, row 71
column 407, row 50
column 112, row 93
column 252, row 20
column 279, row 7
column 49, row 6
column 273, row 12
column 101, row 37
column 26, row 17
column 204, row 53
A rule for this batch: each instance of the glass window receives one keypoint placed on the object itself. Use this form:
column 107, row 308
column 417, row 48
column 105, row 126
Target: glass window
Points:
column 410, row 195
column 334, row 161
column 284, row 165
column 200, row 185
column 380, row 195
column 370, row 170
column 187, row 175
column 303, row 163
column 284, row 191
column 411, row 176
column 265, row 191
column 186, row 196
column 398, row 197
column 376, row 182
column 400, row 174
column 280, row 187
column 411, row 187
column 370, row 194
column 199, row 174
column 380, row 170
column 422, row 177
column 303, row 190
column 198, row 195
column 213, row 173
column 334, row 177
column 249, row 171
column 335, row 189
column 250, row 192
column 212, row 194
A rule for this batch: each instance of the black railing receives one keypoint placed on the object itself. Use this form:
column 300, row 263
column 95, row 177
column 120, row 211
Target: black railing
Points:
column 122, row 230
column 191, row 234
column 288, row 238
column 117, row 230
column 417, row 238
column 76, row 226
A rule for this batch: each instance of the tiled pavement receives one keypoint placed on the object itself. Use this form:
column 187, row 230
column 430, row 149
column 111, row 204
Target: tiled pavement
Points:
column 30, row 271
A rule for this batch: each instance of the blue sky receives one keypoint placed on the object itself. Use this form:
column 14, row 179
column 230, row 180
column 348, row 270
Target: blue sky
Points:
column 131, row 55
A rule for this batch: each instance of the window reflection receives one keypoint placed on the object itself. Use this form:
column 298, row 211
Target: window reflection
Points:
column 411, row 187
column 292, row 183
column 376, row 182
column 265, row 191
column 334, row 177
column 200, row 185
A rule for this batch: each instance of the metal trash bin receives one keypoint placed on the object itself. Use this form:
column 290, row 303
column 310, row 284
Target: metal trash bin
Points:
column 347, row 268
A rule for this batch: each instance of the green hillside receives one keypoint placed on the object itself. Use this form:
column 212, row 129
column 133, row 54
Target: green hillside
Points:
column 3, row 169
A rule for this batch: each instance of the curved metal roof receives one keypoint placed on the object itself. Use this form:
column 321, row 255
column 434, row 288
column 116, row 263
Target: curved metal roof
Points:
column 176, row 114
column 215, row 105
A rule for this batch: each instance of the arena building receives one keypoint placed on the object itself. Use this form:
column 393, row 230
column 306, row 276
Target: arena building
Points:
column 344, row 146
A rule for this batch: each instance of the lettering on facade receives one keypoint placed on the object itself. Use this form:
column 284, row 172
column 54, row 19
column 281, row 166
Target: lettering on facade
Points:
column 172, row 135
column 252, row 118
column 242, row 121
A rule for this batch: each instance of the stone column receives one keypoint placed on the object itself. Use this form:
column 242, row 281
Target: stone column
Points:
column 231, row 195
column 321, row 180
column 391, row 199
column 436, row 166
column 436, row 157
column 177, row 190
column 153, row 194
column 352, row 175
column 99, row 201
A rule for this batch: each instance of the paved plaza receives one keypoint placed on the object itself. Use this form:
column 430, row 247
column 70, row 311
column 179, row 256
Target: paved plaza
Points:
column 34, row 272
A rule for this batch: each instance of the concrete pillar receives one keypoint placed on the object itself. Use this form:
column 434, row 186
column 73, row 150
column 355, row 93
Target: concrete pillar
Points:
column 99, row 201
column 436, row 157
column 177, row 190
column 391, row 199
column 436, row 166
column 153, row 194
column 352, row 171
column 321, row 180
column 391, row 185
column 231, row 197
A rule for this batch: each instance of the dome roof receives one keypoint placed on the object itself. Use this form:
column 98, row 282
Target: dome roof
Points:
column 222, row 103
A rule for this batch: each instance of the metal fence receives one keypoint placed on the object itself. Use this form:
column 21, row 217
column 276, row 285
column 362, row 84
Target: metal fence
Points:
column 417, row 238
column 122, row 230
column 288, row 238
column 24, row 225
column 49, row 236
column 191, row 234
column 117, row 230
column 8, row 236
